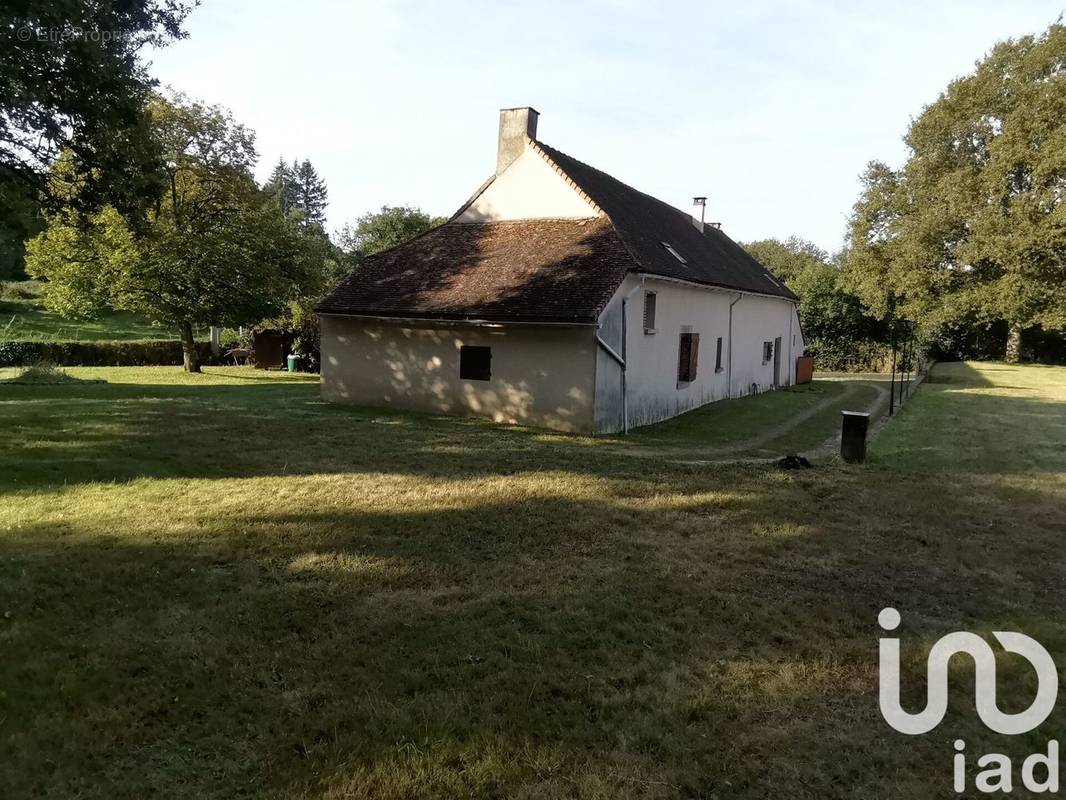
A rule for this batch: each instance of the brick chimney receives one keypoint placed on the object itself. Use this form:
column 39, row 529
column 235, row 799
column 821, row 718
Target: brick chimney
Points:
column 515, row 125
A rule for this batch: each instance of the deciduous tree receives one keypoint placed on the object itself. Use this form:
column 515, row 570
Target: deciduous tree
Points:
column 71, row 80
column 974, row 224
column 380, row 230
column 835, row 324
column 214, row 249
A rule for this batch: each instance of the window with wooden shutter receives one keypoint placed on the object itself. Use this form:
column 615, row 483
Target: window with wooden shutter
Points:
column 688, row 357
column 767, row 352
column 649, row 312
column 718, row 355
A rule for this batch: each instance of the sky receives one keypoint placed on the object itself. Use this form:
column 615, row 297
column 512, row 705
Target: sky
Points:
column 771, row 110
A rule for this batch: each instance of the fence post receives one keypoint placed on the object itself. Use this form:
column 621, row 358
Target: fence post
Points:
column 892, row 380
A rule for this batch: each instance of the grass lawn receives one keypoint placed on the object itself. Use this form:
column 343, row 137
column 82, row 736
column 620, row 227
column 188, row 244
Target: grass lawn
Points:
column 764, row 425
column 27, row 320
column 219, row 586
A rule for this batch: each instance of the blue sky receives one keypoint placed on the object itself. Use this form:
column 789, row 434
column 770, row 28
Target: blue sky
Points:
column 770, row 109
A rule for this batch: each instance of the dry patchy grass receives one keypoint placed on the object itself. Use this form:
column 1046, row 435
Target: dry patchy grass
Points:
column 229, row 589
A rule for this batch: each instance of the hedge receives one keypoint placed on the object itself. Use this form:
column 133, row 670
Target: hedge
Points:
column 135, row 353
column 852, row 356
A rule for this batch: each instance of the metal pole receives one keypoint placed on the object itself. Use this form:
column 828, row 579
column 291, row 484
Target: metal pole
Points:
column 892, row 381
column 903, row 372
column 910, row 356
column 907, row 371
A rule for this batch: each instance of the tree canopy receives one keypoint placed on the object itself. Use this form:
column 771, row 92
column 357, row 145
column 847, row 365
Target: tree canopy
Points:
column 298, row 189
column 71, row 80
column 789, row 258
column 212, row 250
column 377, row 231
column 838, row 331
column 974, row 224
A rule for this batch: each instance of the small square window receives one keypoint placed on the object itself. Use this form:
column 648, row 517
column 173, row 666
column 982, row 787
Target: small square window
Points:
column 649, row 312
column 475, row 363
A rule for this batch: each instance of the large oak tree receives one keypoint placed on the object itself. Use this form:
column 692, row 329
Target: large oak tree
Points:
column 974, row 224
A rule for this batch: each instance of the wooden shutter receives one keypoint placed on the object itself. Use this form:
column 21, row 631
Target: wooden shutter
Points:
column 687, row 357
column 649, row 311
column 684, row 356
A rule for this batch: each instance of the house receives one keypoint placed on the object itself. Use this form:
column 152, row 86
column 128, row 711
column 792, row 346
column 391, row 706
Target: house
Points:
column 559, row 297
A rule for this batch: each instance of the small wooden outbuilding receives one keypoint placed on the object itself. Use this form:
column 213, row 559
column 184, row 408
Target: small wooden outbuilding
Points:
column 270, row 348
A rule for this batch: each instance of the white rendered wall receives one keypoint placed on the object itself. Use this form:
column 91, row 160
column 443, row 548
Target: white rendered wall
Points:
column 528, row 189
column 653, row 391
column 541, row 375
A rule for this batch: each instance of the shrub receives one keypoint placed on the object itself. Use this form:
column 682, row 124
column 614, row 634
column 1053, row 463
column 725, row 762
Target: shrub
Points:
column 845, row 356
column 20, row 290
column 45, row 373
column 143, row 353
column 230, row 338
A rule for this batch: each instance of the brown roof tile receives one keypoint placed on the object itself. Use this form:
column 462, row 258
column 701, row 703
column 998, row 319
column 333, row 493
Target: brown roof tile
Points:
column 645, row 222
column 547, row 270
column 528, row 270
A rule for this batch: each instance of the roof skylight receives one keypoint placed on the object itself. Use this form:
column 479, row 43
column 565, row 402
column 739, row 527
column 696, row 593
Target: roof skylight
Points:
column 673, row 252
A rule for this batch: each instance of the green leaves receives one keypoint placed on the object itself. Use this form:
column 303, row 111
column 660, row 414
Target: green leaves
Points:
column 213, row 250
column 377, row 231
column 299, row 191
column 974, row 224
column 83, row 92
column 829, row 314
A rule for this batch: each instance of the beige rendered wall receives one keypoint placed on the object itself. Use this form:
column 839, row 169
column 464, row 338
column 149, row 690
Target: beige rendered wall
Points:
column 541, row 375
column 528, row 189
column 653, row 391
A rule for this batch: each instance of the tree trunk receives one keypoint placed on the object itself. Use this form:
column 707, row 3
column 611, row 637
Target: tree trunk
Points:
column 1014, row 343
column 188, row 348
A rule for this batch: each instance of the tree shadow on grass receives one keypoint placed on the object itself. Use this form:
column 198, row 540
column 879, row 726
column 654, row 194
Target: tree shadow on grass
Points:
column 63, row 436
column 616, row 645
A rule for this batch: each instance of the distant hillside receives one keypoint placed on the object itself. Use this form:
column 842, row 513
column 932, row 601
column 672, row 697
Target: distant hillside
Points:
column 23, row 317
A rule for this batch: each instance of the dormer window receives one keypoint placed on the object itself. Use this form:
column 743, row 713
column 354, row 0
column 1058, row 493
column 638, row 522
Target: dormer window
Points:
column 670, row 249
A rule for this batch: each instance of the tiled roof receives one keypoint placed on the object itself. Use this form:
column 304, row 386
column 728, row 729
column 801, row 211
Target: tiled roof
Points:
column 645, row 223
column 523, row 271
column 544, row 270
